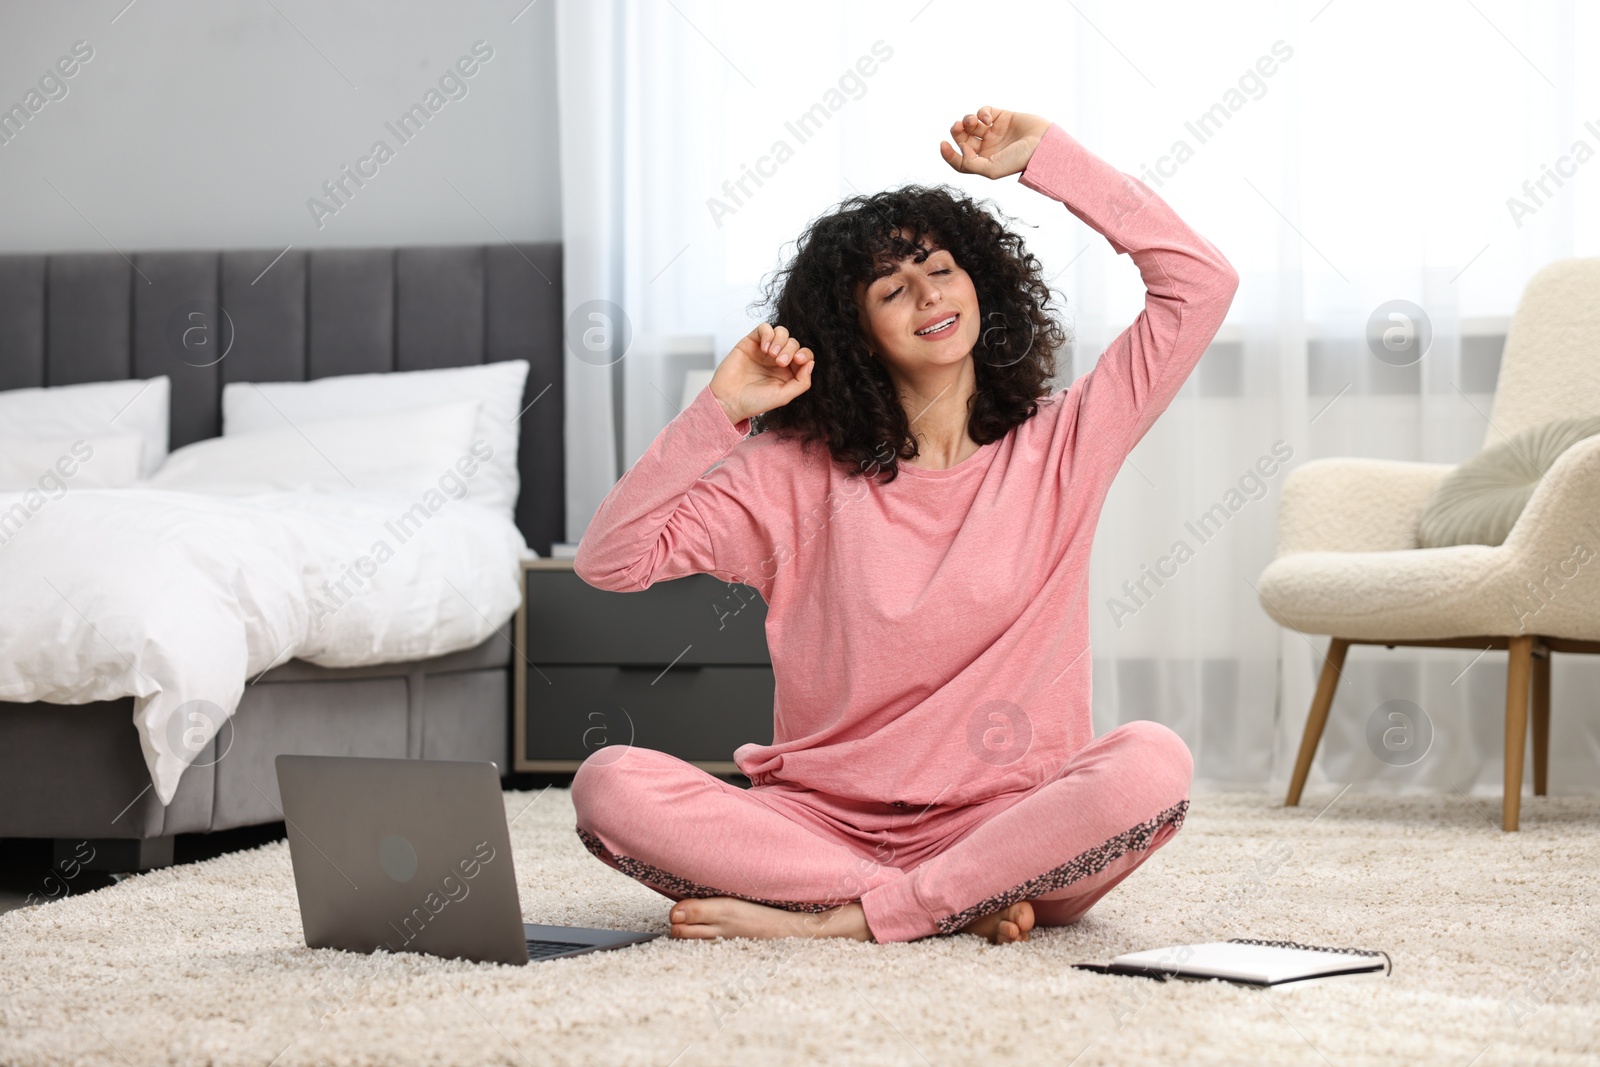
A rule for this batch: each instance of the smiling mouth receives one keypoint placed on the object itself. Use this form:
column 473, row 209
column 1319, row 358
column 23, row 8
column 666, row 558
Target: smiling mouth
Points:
column 940, row 330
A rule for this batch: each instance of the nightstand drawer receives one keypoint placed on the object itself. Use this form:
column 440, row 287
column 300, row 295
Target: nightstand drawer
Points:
column 695, row 713
column 686, row 621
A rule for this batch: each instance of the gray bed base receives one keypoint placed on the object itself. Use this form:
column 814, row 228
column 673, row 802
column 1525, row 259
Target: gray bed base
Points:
column 76, row 772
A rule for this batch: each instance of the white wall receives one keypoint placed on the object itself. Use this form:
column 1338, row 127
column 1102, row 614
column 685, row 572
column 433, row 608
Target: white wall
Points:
column 210, row 124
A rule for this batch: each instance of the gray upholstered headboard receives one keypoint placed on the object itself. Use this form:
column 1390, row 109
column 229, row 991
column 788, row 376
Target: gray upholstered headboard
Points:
column 88, row 317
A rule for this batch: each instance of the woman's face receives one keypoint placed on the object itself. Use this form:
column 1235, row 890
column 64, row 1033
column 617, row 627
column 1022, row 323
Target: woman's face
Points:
column 922, row 316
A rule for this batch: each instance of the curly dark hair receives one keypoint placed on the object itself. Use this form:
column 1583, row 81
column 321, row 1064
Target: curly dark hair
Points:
column 852, row 405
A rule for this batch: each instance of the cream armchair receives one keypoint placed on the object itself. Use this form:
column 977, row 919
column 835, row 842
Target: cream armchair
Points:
column 1348, row 565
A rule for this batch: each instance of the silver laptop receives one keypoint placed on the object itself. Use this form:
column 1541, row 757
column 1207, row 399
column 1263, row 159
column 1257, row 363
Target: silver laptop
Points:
column 413, row 856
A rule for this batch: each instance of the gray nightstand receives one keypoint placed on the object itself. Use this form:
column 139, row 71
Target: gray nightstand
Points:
column 681, row 667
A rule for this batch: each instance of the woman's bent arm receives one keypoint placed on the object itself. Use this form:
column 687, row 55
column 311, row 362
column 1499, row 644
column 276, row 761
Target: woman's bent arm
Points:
column 650, row 526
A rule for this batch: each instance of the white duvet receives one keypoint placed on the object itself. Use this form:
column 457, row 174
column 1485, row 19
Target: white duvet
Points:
column 180, row 600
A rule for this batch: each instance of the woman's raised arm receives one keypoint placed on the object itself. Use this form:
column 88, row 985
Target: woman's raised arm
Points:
column 1189, row 284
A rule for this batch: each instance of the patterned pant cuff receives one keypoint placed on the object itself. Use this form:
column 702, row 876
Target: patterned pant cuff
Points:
column 1092, row 861
column 669, row 884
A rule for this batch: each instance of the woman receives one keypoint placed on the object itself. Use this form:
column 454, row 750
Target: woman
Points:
column 917, row 515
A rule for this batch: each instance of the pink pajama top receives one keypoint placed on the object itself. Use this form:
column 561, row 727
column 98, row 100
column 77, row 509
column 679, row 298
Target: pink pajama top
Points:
column 929, row 637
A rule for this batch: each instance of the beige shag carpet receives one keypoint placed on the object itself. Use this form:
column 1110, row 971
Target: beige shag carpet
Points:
column 1495, row 940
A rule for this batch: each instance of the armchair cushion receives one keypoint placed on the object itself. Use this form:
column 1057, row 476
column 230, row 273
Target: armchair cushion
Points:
column 1480, row 501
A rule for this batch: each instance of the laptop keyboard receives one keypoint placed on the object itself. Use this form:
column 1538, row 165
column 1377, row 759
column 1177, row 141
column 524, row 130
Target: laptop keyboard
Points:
column 541, row 949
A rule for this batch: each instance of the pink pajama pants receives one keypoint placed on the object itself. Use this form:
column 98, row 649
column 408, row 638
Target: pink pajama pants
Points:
column 1062, row 844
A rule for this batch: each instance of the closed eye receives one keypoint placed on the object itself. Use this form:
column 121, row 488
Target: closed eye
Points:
column 897, row 292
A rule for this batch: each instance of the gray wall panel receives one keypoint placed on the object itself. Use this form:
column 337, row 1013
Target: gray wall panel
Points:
column 524, row 320
column 267, row 302
column 440, row 302
column 179, row 331
column 351, row 297
column 21, row 321
column 88, row 319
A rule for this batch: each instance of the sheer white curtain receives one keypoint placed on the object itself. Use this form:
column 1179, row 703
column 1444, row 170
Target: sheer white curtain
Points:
column 1343, row 155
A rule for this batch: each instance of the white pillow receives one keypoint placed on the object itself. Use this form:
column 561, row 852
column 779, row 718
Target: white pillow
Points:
column 56, row 465
column 497, row 387
column 93, row 410
column 407, row 451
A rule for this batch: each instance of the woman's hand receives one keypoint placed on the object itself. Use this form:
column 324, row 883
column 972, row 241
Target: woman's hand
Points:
column 993, row 143
column 765, row 370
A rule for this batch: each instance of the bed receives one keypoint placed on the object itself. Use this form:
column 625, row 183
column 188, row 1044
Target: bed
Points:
column 76, row 772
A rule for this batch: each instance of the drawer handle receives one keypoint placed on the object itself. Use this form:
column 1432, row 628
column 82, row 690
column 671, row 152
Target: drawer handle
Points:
column 659, row 667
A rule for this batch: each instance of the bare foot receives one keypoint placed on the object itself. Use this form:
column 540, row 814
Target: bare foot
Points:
column 708, row 917
column 1004, row 926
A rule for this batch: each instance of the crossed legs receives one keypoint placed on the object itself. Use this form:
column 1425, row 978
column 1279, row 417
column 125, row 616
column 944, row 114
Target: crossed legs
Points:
column 756, row 863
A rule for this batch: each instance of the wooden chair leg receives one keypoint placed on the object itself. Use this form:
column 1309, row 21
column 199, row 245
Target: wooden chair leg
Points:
column 1541, row 719
column 1518, row 674
column 1317, row 719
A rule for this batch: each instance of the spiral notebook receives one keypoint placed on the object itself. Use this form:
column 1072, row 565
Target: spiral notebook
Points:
column 1247, row 961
